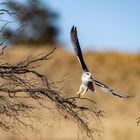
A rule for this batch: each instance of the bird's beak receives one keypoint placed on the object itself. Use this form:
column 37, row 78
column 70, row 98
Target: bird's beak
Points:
column 91, row 78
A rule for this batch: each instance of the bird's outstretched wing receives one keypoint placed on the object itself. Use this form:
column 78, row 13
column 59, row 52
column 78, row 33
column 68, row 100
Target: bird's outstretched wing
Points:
column 77, row 49
column 109, row 90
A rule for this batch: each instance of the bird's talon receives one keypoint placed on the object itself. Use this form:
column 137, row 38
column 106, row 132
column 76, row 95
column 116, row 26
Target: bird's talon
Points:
column 77, row 93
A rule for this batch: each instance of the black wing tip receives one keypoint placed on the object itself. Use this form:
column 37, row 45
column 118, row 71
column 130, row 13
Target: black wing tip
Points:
column 73, row 34
column 74, row 29
column 124, row 96
column 131, row 96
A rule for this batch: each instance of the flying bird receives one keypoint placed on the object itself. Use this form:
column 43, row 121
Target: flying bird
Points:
column 87, row 79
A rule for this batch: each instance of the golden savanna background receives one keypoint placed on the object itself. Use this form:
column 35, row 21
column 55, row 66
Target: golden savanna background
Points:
column 109, row 34
column 120, row 71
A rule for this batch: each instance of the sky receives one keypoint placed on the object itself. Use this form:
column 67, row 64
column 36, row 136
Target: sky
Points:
column 112, row 25
column 108, row 25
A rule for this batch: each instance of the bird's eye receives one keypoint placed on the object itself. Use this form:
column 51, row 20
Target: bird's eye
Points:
column 87, row 73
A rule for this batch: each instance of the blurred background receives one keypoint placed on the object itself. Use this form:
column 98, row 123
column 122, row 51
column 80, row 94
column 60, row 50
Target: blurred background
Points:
column 109, row 34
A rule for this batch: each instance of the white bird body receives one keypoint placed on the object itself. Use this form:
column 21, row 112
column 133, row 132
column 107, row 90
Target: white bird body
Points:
column 87, row 83
column 86, row 78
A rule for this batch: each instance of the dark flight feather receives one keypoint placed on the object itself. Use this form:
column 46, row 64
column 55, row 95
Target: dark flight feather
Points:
column 77, row 49
column 107, row 89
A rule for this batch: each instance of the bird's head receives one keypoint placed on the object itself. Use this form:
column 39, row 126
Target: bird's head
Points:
column 87, row 75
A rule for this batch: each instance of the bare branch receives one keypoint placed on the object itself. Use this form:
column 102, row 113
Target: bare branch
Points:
column 23, row 81
column 2, row 50
column 3, row 11
column 138, row 121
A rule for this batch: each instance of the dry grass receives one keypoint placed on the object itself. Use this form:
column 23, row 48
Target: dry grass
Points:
column 118, row 70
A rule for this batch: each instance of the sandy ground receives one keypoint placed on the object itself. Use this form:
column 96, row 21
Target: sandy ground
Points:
column 118, row 70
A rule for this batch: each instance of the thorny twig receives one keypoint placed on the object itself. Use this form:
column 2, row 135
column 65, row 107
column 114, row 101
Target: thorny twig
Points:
column 138, row 121
column 21, row 80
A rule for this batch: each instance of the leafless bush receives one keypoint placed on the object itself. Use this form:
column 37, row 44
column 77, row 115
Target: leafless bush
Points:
column 138, row 121
column 21, row 82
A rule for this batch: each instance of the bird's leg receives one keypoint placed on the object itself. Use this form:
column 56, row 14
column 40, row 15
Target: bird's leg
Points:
column 85, row 90
column 80, row 90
